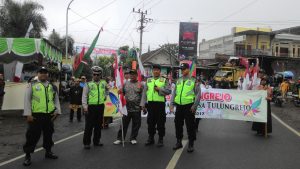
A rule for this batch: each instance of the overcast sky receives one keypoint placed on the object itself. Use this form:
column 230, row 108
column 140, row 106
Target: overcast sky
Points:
column 215, row 17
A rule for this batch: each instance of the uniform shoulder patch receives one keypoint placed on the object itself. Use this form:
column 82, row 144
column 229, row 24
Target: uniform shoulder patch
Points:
column 149, row 80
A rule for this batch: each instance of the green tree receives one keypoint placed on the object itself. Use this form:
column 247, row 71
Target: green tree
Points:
column 15, row 18
column 172, row 48
column 106, row 63
column 59, row 42
column 55, row 39
column 70, row 45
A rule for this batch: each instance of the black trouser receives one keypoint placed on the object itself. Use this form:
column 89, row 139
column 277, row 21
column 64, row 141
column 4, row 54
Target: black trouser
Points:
column 197, row 120
column 156, row 118
column 42, row 123
column 93, row 121
column 136, row 124
column 183, row 112
column 78, row 114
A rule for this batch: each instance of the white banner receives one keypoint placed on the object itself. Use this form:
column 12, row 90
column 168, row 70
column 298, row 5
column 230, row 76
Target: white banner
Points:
column 250, row 105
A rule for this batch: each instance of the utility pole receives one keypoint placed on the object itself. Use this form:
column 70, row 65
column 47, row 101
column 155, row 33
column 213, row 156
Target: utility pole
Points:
column 141, row 28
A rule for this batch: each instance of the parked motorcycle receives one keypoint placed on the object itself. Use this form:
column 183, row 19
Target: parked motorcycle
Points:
column 277, row 98
column 296, row 100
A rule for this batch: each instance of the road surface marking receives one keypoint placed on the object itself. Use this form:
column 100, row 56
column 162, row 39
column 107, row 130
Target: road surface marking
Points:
column 57, row 142
column 176, row 156
column 286, row 125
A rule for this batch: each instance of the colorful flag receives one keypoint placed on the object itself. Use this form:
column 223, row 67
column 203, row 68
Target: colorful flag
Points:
column 87, row 56
column 193, row 69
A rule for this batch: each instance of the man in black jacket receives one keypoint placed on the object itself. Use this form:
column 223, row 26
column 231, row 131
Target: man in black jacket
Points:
column 75, row 100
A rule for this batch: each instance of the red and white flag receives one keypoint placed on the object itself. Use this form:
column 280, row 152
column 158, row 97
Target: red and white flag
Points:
column 120, row 84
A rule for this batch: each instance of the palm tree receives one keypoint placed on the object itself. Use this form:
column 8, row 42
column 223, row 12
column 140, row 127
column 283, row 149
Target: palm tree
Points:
column 15, row 18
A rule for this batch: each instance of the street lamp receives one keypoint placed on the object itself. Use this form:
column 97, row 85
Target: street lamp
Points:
column 67, row 29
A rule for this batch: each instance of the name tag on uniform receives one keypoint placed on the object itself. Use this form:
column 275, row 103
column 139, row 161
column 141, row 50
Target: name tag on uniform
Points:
column 38, row 88
column 188, row 83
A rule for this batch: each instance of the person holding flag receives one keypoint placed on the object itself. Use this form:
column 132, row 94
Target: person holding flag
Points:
column 133, row 93
column 93, row 97
column 154, row 93
column 186, row 97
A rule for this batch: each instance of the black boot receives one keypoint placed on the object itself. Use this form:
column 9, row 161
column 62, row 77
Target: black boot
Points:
column 150, row 141
column 160, row 142
column 27, row 160
column 191, row 147
column 50, row 155
column 178, row 145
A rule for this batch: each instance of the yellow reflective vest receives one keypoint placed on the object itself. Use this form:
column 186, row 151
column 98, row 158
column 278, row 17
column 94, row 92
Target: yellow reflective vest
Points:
column 153, row 95
column 96, row 95
column 42, row 100
column 185, row 93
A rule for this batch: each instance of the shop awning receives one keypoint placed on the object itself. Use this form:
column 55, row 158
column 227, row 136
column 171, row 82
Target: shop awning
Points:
column 27, row 50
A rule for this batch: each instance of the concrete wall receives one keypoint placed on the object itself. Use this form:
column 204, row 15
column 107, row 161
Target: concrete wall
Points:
column 222, row 45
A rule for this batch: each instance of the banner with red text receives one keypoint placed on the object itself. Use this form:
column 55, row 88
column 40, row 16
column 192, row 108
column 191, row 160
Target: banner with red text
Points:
column 249, row 105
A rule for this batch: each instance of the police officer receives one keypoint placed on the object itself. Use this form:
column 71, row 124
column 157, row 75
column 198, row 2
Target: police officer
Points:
column 154, row 93
column 41, row 107
column 93, row 97
column 183, row 96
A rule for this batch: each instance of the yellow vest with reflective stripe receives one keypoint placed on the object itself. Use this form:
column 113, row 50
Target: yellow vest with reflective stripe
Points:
column 96, row 95
column 153, row 95
column 185, row 91
column 42, row 100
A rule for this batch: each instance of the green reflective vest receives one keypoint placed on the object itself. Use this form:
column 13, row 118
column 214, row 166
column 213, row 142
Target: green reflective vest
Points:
column 42, row 100
column 185, row 92
column 96, row 95
column 153, row 95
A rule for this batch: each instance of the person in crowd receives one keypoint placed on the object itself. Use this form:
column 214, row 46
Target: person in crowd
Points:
column 259, row 127
column 2, row 92
column 241, row 84
column 284, row 88
column 83, row 81
column 75, row 101
column 132, row 91
column 126, row 76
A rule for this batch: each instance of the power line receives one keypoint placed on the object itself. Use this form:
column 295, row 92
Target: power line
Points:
column 92, row 13
column 126, row 30
column 233, row 13
column 116, row 40
column 158, row 2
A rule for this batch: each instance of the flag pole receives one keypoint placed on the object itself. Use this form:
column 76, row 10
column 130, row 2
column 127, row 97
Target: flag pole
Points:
column 123, row 139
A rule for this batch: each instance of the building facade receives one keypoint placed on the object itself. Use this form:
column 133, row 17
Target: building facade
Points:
column 253, row 42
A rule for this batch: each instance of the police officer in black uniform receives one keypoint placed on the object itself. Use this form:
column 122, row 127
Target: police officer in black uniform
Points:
column 155, row 90
column 93, row 98
column 41, row 107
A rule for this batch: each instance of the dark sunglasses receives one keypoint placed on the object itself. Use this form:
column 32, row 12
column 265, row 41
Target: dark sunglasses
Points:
column 96, row 74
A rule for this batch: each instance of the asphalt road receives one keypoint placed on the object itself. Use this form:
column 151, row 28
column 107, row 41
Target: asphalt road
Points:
column 220, row 144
